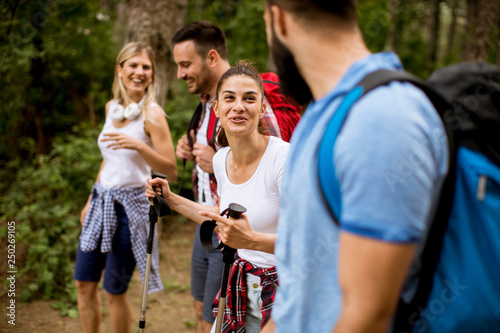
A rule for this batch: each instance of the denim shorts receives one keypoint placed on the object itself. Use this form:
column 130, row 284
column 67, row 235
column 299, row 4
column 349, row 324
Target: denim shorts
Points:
column 206, row 274
column 118, row 265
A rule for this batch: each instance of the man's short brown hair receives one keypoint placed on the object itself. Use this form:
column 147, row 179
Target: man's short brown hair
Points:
column 205, row 35
column 319, row 12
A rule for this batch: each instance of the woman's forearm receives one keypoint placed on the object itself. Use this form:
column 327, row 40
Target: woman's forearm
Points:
column 189, row 208
column 158, row 162
column 264, row 242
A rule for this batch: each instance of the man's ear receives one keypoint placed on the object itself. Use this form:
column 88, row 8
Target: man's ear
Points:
column 212, row 58
column 279, row 21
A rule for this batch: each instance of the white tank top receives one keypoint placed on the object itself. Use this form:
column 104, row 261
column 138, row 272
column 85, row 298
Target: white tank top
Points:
column 124, row 167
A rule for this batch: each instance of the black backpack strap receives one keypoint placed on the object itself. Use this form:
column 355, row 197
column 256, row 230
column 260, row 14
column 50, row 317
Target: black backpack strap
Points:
column 193, row 124
column 386, row 76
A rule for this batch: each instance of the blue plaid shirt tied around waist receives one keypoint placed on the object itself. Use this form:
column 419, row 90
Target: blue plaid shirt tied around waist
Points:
column 101, row 222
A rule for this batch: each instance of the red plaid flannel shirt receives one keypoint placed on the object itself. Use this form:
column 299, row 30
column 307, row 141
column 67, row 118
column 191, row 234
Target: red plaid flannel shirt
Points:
column 234, row 313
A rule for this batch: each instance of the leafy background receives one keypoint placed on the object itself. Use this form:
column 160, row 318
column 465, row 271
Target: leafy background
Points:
column 56, row 70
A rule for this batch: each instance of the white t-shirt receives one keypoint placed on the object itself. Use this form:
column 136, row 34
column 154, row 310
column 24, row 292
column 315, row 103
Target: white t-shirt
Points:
column 260, row 195
column 204, row 177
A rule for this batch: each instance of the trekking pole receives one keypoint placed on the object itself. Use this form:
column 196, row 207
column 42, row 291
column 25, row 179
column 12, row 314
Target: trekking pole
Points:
column 234, row 211
column 158, row 207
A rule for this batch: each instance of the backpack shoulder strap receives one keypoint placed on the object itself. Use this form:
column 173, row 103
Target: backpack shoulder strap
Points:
column 193, row 123
column 212, row 128
column 326, row 169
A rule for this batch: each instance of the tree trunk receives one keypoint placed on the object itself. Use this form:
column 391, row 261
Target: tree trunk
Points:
column 154, row 22
column 498, row 33
column 481, row 18
column 396, row 8
column 35, row 109
column 434, row 35
column 498, row 53
column 450, row 43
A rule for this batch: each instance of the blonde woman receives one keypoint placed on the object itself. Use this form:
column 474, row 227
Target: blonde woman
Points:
column 135, row 140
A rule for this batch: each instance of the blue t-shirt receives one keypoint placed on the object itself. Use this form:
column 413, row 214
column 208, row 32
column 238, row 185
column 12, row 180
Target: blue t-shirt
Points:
column 390, row 160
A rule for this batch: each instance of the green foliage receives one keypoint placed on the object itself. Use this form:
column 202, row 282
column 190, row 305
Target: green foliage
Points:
column 414, row 50
column 494, row 53
column 179, row 108
column 45, row 200
column 246, row 33
column 56, row 65
column 374, row 20
column 191, row 323
column 241, row 21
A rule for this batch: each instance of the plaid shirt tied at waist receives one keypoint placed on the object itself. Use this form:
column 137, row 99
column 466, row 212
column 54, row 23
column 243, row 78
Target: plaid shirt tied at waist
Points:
column 101, row 222
column 234, row 313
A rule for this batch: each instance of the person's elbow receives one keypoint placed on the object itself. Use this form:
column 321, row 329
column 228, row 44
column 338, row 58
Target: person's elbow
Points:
column 169, row 169
column 172, row 174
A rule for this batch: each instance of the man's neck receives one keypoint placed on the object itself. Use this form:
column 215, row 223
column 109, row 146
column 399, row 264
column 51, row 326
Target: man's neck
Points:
column 218, row 72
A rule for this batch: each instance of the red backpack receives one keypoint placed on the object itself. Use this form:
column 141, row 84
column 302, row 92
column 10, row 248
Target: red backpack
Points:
column 286, row 110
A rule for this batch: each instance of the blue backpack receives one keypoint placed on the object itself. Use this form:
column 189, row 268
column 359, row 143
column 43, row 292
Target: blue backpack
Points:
column 459, row 283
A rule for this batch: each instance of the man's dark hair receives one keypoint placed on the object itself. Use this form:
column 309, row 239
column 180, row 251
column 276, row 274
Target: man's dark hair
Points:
column 317, row 11
column 205, row 36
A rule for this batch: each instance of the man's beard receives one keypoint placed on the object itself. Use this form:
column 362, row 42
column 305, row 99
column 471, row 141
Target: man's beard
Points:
column 291, row 82
column 203, row 84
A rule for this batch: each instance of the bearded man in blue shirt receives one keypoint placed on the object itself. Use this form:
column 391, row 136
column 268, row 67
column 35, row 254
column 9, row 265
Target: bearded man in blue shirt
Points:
column 390, row 160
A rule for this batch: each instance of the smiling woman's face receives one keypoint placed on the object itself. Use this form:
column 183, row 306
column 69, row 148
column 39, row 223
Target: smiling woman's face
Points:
column 239, row 105
column 136, row 74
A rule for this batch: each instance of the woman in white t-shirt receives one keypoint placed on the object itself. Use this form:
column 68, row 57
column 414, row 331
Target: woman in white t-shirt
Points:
column 249, row 169
column 135, row 139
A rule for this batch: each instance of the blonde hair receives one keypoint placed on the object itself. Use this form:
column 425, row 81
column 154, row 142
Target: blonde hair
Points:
column 120, row 92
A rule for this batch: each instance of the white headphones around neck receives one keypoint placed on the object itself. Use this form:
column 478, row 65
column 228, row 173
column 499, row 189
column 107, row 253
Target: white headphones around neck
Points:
column 118, row 112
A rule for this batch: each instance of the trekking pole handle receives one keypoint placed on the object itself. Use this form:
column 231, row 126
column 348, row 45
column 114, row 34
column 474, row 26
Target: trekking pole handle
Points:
column 234, row 210
column 153, row 215
column 207, row 228
column 153, row 176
